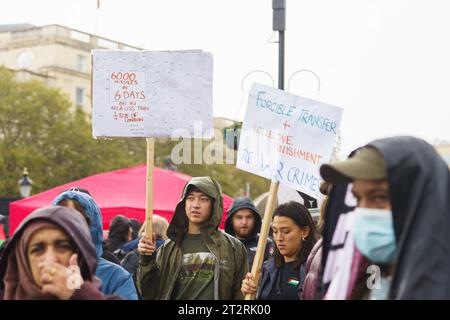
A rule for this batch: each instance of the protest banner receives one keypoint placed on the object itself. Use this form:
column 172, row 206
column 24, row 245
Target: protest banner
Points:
column 150, row 94
column 285, row 138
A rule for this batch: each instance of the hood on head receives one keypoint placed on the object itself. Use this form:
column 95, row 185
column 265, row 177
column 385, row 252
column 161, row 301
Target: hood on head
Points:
column 419, row 183
column 91, row 208
column 72, row 223
column 412, row 165
column 238, row 204
column 178, row 226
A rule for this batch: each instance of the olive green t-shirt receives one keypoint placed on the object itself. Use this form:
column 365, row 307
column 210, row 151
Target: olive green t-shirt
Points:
column 196, row 279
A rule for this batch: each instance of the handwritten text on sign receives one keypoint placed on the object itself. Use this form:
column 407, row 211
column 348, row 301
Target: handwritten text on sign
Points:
column 127, row 96
column 286, row 137
column 151, row 93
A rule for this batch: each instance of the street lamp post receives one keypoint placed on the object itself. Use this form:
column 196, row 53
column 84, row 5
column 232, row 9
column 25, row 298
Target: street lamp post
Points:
column 25, row 184
column 279, row 24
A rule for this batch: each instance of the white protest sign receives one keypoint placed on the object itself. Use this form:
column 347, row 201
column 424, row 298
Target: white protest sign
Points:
column 152, row 93
column 286, row 138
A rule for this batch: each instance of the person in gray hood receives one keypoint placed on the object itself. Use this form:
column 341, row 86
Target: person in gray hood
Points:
column 244, row 222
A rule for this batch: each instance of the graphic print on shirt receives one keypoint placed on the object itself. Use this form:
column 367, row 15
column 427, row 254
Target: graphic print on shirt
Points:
column 199, row 265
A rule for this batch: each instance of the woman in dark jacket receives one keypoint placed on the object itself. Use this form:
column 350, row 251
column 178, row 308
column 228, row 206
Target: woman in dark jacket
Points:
column 283, row 274
column 50, row 256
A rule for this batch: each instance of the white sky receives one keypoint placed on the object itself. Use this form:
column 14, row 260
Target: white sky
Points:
column 386, row 62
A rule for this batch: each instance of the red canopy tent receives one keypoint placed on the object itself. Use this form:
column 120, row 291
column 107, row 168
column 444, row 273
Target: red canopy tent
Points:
column 2, row 234
column 117, row 192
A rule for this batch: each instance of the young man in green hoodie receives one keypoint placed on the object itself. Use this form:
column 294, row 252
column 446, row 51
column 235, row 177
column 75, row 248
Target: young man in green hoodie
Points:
column 198, row 261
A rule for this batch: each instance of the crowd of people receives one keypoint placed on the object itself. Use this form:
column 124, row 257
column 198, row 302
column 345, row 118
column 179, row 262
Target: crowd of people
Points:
column 382, row 234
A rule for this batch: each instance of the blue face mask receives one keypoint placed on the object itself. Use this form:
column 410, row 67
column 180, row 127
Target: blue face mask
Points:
column 374, row 234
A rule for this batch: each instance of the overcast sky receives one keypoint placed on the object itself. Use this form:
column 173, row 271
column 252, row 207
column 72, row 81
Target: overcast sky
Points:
column 386, row 63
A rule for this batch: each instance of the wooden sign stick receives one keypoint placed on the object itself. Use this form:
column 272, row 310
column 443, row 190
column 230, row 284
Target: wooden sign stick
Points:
column 263, row 235
column 149, row 198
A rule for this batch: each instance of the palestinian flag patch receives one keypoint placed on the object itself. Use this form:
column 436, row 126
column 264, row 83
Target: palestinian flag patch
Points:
column 293, row 281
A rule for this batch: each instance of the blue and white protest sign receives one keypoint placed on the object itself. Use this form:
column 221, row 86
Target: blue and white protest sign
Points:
column 286, row 137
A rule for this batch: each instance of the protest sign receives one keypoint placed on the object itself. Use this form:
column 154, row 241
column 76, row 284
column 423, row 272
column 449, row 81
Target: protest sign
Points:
column 151, row 94
column 286, row 138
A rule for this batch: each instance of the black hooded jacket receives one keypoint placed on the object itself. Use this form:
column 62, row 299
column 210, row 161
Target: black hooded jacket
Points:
column 419, row 182
column 251, row 242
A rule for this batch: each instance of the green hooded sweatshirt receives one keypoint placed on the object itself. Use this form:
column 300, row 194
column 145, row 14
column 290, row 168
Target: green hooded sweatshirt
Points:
column 156, row 276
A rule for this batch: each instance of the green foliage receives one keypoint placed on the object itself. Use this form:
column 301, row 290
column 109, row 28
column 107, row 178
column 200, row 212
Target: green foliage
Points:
column 38, row 130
